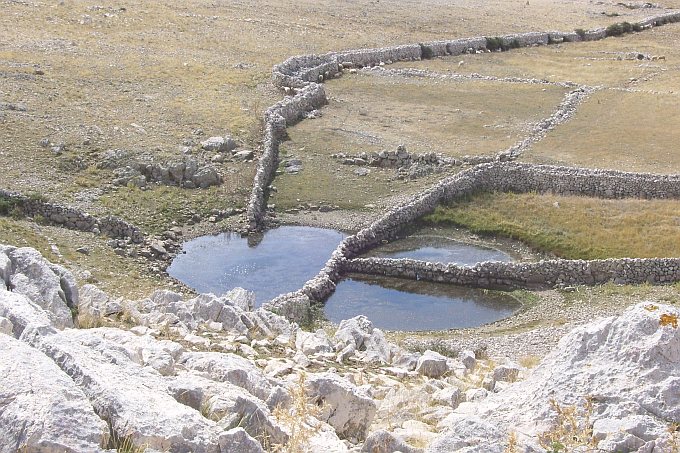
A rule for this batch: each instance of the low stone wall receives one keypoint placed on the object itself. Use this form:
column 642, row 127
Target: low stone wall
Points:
column 499, row 177
column 539, row 275
column 71, row 218
column 304, row 73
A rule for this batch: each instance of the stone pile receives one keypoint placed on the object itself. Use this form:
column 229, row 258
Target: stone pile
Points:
column 188, row 172
column 410, row 165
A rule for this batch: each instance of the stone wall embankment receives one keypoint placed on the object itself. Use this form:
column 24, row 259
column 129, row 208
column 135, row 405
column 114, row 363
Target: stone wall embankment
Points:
column 303, row 74
column 71, row 218
column 500, row 177
column 538, row 275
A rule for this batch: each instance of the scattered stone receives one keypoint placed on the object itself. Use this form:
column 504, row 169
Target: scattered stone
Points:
column 219, row 144
column 432, row 364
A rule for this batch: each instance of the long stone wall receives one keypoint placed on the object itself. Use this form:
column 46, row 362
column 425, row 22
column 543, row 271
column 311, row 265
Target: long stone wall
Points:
column 497, row 177
column 302, row 76
column 71, row 218
column 539, row 275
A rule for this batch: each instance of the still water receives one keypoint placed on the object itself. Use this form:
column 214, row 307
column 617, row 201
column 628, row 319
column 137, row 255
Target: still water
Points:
column 283, row 259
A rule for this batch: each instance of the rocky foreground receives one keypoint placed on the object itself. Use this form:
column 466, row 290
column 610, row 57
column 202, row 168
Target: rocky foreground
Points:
column 81, row 371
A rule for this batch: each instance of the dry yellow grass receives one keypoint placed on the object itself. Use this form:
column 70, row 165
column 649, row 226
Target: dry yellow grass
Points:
column 575, row 227
column 615, row 130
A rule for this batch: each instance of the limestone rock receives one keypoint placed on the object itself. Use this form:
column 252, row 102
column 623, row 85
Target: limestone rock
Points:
column 628, row 364
column 378, row 347
column 432, row 364
column 450, row 396
column 23, row 314
column 6, row 326
column 237, row 440
column 97, row 303
column 347, row 408
column 229, row 368
column 383, row 441
column 35, row 277
column 219, row 144
column 468, row 359
column 41, row 408
column 228, row 405
column 353, row 331
column 112, row 381
column 313, row 343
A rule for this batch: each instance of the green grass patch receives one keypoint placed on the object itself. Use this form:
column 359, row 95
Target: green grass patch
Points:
column 154, row 210
column 572, row 227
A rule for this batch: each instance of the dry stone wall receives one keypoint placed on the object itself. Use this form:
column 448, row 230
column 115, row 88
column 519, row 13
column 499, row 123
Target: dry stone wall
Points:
column 539, row 275
column 71, row 218
column 497, row 177
column 302, row 76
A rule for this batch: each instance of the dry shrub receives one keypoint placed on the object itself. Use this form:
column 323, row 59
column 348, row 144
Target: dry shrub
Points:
column 572, row 428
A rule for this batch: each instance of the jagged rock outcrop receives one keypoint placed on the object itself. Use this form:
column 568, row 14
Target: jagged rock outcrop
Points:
column 41, row 408
column 619, row 375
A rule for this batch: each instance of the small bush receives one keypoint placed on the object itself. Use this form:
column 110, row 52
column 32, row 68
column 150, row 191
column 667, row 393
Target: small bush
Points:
column 6, row 206
column 581, row 32
column 426, row 52
column 619, row 29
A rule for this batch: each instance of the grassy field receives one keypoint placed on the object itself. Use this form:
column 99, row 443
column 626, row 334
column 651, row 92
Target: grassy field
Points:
column 371, row 114
column 632, row 130
column 573, row 227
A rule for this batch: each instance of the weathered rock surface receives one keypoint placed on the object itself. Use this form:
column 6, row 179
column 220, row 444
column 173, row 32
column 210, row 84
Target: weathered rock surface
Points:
column 626, row 366
column 347, row 408
column 41, row 408
column 432, row 364
column 112, row 380
column 49, row 285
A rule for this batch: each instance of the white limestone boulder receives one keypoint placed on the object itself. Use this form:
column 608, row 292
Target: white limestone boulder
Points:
column 353, row 331
column 48, row 285
column 23, row 313
column 627, row 366
column 97, row 303
column 432, row 364
column 41, row 408
column 347, row 408
column 313, row 342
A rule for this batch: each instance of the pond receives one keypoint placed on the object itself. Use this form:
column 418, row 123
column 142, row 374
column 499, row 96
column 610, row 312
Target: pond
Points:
column 283, row 259
column 396, row 304
column 279, row 261
column 438, row 245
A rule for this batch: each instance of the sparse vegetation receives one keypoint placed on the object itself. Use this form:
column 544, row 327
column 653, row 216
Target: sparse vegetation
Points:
column 572, row 227
column 572, row 428
column 299, row 419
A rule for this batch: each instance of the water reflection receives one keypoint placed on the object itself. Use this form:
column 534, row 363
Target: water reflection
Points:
column 279, row 261
column 396, row 304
